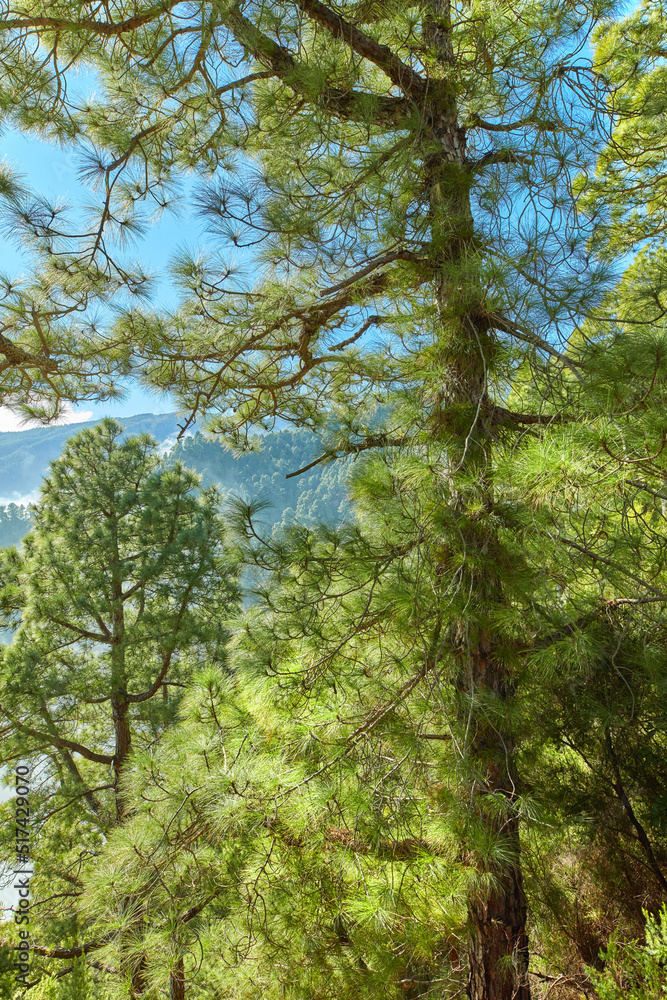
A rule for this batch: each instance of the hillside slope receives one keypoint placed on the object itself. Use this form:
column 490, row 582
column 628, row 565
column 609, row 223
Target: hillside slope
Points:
column 25, row 455
column 316, row 495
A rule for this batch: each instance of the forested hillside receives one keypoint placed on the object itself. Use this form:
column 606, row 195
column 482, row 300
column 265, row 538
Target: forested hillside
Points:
column 25, row 455
column 316, row 495
column 14, row 523
column 268, row 474
column 428, row 759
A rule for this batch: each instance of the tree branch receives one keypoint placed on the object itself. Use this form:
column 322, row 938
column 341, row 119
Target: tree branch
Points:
column 595, row 557
column 547, row 126
column 373, row 265
column 384, row 710
column 18, row 358
column 642, row 836
column 372, row 441
column 249, row 78
column 400, row 74
column 95, row 636
column 146, row 695
column 498, row 322
column 497, row 156
column 76, row 952
column 195, row 910
column 106, row 28
column 59, row 741
column 88, row 793
column 500, row 415
column 85, row 794
column 406, row 849
column 352, row 105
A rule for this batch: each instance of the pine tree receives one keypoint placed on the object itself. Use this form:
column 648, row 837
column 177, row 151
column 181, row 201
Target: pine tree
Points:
column 404, row 178
column 120, row 591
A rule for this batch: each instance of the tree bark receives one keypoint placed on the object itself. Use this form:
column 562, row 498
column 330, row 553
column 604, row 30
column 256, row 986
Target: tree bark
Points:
column 119, row 698
column 123, row 733
column 498, row 954
column 177, row 981
column 498, row 951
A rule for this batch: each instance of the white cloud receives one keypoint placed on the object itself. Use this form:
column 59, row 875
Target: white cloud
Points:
column 21, row 500
column 11, row 421
column 164, row 447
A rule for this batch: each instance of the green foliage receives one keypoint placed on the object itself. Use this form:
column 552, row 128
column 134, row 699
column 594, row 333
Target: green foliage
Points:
column 344, row 180
column 122, row 589
column 78, row 984
column 633, row 969
column 264, row 847
column 7, row 971
column 469, row 659
column 628, row 189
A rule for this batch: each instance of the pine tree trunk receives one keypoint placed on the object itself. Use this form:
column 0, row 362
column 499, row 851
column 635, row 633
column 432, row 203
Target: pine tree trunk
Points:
column 177, row 982
column 498, row 953
column 119, row 702
column 123, row 733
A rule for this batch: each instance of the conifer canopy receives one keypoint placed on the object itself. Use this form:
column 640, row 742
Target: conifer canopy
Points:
column 434, row 236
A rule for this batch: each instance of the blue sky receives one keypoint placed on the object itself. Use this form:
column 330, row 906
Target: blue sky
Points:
column 52, row 171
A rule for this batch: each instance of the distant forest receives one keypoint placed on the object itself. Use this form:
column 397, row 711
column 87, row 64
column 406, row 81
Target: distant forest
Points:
column 315, row 495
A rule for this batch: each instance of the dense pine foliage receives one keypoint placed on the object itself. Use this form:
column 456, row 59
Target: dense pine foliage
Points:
column 428, row 758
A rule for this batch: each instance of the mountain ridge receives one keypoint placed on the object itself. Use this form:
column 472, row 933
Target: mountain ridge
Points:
column 25, row 455
column 317, row 495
